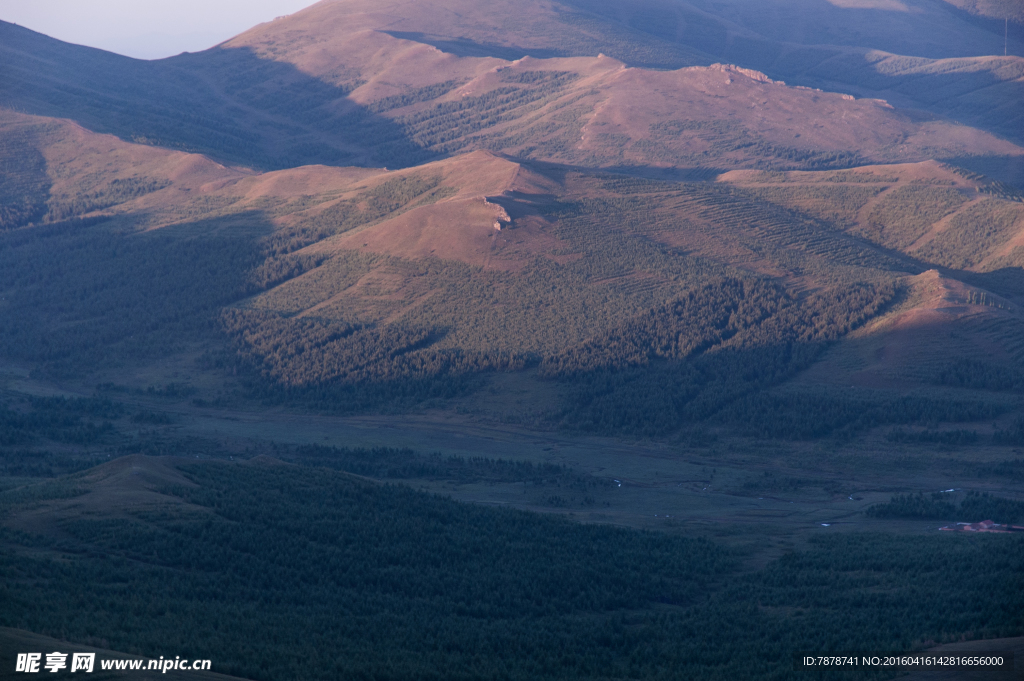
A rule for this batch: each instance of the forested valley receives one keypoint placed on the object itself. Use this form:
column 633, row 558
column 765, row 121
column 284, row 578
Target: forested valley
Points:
column 366, row 581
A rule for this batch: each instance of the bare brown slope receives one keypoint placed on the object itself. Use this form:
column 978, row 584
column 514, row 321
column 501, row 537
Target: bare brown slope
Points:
column 704, row 111
column 505, row 29
column 493, row 218
column 924, row 210
column 397, row 84
column 80, row 173
column 915, row 53
column 701, row 30
column 229, row 104
column 607, row 115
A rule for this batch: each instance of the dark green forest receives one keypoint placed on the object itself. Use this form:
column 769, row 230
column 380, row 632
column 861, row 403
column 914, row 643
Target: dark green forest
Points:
column 277, row 571
column 975, row 507
column 78, row 294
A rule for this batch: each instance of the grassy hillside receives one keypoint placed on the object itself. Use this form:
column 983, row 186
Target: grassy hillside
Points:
column 940, row 215
column 646, row 301
column 646, row 306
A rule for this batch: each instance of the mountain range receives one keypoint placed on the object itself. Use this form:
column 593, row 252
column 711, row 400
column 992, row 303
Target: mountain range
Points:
column 370, row 204
column 713, row 311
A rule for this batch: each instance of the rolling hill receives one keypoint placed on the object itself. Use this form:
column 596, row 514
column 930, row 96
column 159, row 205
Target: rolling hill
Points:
column 349, row 289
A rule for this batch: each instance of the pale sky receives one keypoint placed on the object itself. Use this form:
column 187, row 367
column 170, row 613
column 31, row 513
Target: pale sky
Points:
column 145, row 29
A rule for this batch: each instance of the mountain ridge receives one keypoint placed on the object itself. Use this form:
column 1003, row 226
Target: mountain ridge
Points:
column 399, row 91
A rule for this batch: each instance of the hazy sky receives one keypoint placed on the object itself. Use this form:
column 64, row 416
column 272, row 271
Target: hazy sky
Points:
column 146, row 29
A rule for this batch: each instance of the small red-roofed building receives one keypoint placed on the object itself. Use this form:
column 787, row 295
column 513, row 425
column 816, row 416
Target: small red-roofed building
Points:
column 983, row 526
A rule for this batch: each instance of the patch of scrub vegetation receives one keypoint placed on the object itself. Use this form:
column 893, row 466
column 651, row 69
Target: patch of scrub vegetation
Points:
column 967, row 372
column 726, row 313
column 447, row 127
column 856, row 176
column 974, row 233
column 634, row 382
column 959, row 436
column 809, row 415
column 727, row 137
column 599, row 322
column 24, row 183
column 404, row 463
column 388, row 199
column 413, row 96
column 906, row 213
column 1014, row 435
column 16, row 463
column 836, row 204
column 117, row 191
column 307, row 351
